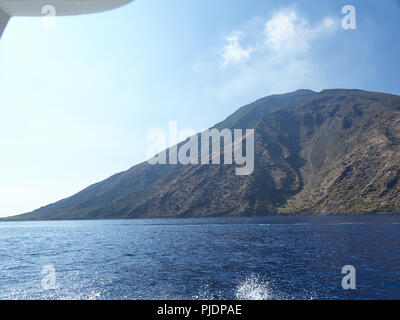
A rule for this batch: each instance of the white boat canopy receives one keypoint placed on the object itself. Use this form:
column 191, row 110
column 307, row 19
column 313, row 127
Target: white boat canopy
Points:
column 34, row 8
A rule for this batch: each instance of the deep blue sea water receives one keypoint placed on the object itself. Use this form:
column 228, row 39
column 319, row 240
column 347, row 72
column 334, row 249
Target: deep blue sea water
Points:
column 221, row 258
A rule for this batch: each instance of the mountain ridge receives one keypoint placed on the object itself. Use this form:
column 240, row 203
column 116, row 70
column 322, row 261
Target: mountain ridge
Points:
column 328, row 152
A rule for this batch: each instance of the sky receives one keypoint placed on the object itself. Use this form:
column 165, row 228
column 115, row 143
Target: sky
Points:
column 79, row 98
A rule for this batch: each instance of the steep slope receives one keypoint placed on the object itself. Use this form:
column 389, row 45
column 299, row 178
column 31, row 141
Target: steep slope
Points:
column 350, row 146
column 332, row 152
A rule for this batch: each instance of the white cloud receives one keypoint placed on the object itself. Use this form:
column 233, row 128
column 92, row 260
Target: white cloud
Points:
column 285, row 31
column 280, row 57
column 233, row 52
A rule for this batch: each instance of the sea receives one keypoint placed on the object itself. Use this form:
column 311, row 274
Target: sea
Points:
column 266, row 258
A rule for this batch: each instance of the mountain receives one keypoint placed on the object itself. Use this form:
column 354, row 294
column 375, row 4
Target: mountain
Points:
column 332, row 152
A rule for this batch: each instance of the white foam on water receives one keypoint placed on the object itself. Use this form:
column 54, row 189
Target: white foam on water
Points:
column 253, row 288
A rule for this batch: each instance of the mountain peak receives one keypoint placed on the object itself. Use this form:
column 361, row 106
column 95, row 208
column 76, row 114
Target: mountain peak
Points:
column 330, row 152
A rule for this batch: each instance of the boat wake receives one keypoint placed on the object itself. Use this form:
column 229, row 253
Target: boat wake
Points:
column 254, row 287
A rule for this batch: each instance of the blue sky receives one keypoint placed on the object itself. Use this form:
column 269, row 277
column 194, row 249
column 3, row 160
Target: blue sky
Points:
column 78, row 100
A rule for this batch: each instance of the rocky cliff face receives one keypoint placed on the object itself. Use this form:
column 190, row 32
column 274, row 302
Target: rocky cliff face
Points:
column 333, row 152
